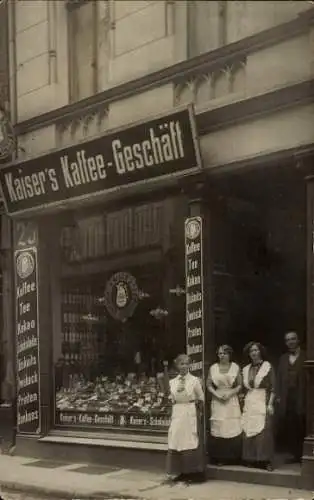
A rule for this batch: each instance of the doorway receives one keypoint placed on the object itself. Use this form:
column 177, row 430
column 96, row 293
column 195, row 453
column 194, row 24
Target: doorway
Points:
column 259, row 261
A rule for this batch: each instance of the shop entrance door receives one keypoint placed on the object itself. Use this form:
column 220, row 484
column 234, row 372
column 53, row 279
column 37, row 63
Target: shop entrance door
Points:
column 259, row 271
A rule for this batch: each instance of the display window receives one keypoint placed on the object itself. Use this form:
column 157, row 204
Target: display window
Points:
column 120, row 318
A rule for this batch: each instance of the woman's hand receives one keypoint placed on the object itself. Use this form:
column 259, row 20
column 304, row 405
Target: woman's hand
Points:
column 227, row 395
column 222, row 397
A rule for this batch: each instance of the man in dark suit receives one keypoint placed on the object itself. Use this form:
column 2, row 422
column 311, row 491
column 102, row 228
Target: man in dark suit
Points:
column 290, row 396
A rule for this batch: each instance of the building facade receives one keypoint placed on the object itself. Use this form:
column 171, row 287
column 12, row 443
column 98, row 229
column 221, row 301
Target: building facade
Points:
column 7, row 379
column 135, row 120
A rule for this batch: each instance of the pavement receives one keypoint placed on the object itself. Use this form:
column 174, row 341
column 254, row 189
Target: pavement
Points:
column 85, row 481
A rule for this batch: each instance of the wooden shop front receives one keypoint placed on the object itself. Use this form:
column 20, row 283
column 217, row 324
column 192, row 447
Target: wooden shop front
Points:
column 99, row 266
column 126, row 253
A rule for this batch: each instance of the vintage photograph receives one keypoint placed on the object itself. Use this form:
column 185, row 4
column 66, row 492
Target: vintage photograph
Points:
column 156, row 249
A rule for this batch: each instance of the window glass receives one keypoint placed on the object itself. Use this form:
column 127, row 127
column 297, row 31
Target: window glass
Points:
column 119, row 319
column 83, row 54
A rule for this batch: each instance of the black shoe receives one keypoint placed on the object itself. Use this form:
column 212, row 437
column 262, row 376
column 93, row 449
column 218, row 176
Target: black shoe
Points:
column 196, row 478
column 171, row 481
column 180, row 479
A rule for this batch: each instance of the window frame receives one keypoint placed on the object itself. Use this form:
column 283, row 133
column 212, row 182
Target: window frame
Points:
column 73, row 88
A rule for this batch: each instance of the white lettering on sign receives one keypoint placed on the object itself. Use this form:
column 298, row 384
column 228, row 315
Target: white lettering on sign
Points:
column 193, row 248
column 193, row 315
column 25, row 187
column 28, row 380
column 27, row 417
column 144, row 152
column 192, row 298
column 192, row 265
column 159, row 422
column 196, row 367
column 194, row 294
column 26, row 326
column 83, row 170
column 67, row 419
column 195, row 349
column 104, row 419
column 84, row 418
column 26, row 362
column 117, row 420
column 153, row 151
column 24, row 307
column 137, row 421
column 27, row 398
column 27, row 341
column 194, row 332
column 25, row 288
column 193, row 281
column 163, row 145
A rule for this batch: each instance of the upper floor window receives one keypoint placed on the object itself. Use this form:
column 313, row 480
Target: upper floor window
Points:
column 83, row 48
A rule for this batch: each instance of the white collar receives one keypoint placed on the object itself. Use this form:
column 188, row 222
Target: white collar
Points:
column 262, row 372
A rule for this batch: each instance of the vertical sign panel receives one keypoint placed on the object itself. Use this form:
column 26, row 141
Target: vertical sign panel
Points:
column 27, row 341
column 194, row 294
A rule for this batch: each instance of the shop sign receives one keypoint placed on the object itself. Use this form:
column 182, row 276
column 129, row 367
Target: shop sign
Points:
column 27, row 341
column 194, row 294
column 144, row 152
column 101, row 419
column 121, row 296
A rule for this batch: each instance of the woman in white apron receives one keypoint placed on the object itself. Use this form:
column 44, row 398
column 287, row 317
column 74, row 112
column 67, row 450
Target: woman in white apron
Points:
column 224, row 383
column 258, row 411
column 185, row 461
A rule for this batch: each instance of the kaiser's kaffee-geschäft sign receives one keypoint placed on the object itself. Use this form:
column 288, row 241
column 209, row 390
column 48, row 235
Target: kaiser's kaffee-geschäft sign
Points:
column 143, row 152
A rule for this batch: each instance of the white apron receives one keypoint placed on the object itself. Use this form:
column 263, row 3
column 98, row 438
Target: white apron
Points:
column 254, row 412
column 225, row 420
column 182, row 433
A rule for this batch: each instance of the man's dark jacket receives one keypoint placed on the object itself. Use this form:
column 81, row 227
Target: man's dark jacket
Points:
column 282, row 384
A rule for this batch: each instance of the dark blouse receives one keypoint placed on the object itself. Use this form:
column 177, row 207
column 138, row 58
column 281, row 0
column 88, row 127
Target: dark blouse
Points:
column 268, row 382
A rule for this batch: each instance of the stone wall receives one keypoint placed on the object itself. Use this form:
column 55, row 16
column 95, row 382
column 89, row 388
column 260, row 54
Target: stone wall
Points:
column 138, row 37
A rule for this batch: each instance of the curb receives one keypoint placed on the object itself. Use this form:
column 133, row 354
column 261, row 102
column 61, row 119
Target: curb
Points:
column 40, row 492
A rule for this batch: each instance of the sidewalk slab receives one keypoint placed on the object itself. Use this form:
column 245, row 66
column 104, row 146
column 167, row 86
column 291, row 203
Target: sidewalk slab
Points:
column 65, row 481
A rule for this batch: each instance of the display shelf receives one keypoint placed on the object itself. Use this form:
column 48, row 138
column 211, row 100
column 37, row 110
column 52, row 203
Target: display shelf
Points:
column 131, row 402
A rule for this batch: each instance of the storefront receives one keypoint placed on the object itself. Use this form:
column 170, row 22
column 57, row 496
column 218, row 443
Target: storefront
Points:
column 126, row 253
column 100, row 279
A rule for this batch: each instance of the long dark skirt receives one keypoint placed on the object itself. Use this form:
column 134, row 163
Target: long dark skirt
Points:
column 188, row 462
column 260, row 449
column 225, row 450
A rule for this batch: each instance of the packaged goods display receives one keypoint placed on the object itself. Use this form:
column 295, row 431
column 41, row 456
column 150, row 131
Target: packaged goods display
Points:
column 129, row 394
column 108, row 371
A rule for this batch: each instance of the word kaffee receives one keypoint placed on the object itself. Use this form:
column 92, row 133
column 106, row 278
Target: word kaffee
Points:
column 194, row 294
column 27, row 342
column 83, row 169
column 76, row 418
column 142, row 152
